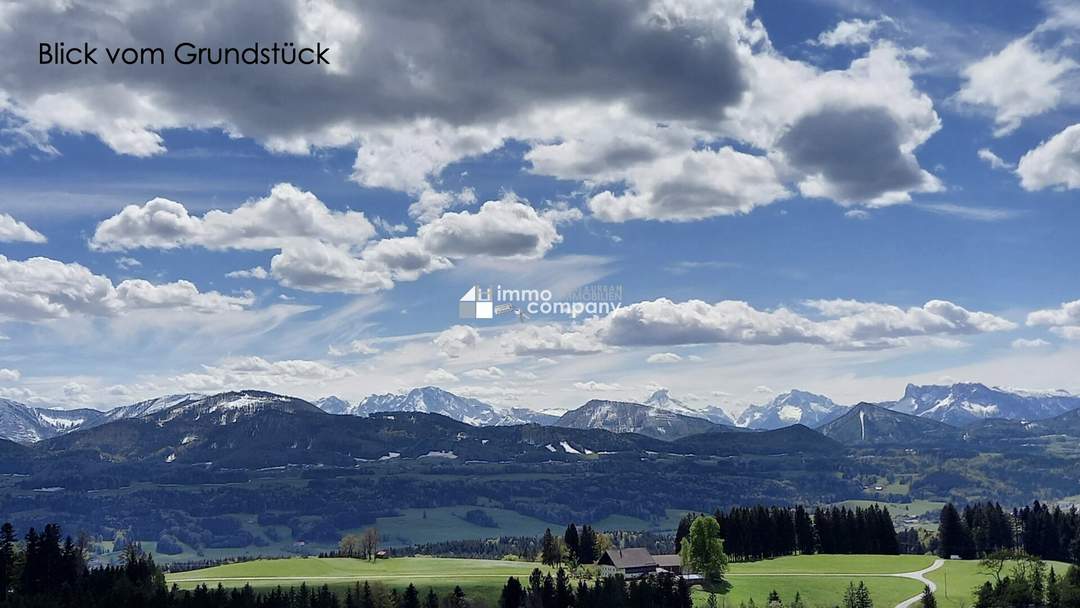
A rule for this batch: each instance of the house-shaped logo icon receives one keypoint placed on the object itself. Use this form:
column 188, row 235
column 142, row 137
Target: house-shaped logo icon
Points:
column 476, row 304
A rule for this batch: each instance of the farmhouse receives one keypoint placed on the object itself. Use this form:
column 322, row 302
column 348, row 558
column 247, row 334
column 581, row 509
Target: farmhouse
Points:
column 634, row 563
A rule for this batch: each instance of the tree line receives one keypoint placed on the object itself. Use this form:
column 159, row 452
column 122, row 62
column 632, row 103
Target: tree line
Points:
column 981, row 529
column 46, row 570
column 752, row 533
column 547, row 591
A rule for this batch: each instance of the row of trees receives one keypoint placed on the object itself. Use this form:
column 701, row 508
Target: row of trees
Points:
column 1023, row 581
column 985, row 528
column 546, row 591
column 362, row 546
column 752, row 533
column 574, row 547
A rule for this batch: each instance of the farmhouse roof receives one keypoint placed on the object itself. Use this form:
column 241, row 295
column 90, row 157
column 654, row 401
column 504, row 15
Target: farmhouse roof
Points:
column 672, row 560
column 629, row 558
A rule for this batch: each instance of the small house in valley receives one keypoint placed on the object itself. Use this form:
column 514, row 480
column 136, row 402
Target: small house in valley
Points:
column 635, row 563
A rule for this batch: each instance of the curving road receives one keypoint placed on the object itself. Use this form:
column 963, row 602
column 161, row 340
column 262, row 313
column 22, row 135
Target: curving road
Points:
column 921, row 577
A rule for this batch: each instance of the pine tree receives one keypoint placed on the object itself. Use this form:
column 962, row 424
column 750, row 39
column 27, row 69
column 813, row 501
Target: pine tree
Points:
column 366, row 600
column 1053, row 590
column 513, row 595
column 928, row 599
column 432, row 600
column 862, row 597
column 955, row 537
column 550, row 554
column 587, row 545
column 7, row 558
column 564, row 595
column 411, row 599
column 572, row 542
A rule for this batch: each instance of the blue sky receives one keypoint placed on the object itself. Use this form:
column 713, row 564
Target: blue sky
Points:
column 835, row 196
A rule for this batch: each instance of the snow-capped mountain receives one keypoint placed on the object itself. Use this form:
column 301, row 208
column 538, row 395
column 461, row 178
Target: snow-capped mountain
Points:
column 150, row 406
column 225, row 408
column 434, row 400
column 625, row 417
column 662, row 399
column 792, row 407
column 334, row 405
column 965, row 403
column 24, row 424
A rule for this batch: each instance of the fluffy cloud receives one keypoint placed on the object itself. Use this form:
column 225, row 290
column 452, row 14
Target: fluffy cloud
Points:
column 874, row 114
column 439, row 376
column 454, row 341
column 631, row 97
column 431, row 203
column 257, row 372
column 1016, row 83
column 854, row 155
column 1053, row 163
column 692, row 186
column 1064, row 320
column 669, row 59
column 506, row 228
column 42, row 288
column 837, row 324
column 288, row 215
column 9, row 375
column 13, row 231
column 852, row 32
column 181, row 295
column 550, row 340
column 315, row 266
column 406, row 258
column 258, row 273
column 995, row 161
column 663, row 358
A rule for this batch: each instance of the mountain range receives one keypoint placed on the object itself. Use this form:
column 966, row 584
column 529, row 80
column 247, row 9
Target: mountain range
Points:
column 434, row 400
column 625, row 417
column 660, row 416
column 966, row 403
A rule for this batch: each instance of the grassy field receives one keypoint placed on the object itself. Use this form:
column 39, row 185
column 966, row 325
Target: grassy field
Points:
column 755, row 580
column 829, row 564
column 824, row 592
column 957, row 581
column 478, row 578
column 484, row 578
column 915, row 508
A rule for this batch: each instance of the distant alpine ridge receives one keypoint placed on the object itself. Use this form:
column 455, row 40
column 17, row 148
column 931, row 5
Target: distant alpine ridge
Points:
column 662, row 399
column 626, row 417
column 965, row 403
column 434, row 400
column 792, row 407
column 975, row 408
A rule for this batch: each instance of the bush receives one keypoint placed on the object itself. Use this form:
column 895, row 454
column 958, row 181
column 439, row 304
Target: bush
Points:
column 169, row 545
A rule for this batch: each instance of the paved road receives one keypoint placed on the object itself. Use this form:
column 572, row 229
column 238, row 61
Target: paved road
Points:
column 921, row 577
